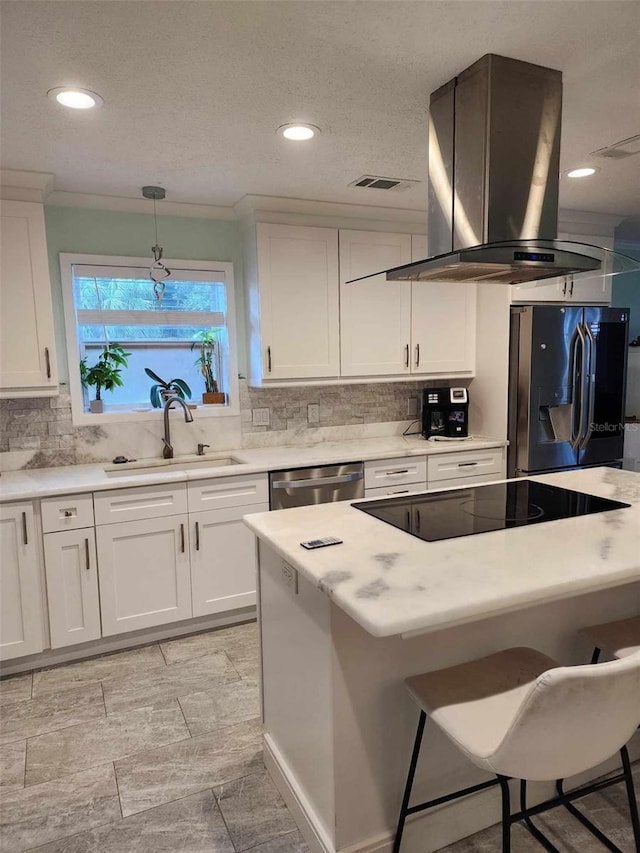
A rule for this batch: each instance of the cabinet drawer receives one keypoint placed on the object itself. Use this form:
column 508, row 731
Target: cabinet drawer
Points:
column 461, row 482
column 471, row 463
column 140, row 502
column 67, row 513
column 388, row 491
column 394, row 472
column 223, row 492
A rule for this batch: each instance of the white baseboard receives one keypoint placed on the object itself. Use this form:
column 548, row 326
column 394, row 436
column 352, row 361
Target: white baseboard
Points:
column 316, row 836
column 53, row 657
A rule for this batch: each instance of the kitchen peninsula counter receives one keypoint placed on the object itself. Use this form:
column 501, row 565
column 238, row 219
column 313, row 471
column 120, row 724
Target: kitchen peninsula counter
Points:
column 392, row 583
column 343, row 626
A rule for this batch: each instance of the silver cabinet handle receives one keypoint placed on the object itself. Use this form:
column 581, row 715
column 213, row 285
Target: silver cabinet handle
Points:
column 182, row 538
column 571, row 288
column 466, row 464
column 417, row 355
column 269, row 359
column 406, row 355
column 47, row 361
column 396, row 473
column 399, row 492
column 25, row 536
column 86, row 554
column 564, row 287
column 318, row 481
column 197, row 535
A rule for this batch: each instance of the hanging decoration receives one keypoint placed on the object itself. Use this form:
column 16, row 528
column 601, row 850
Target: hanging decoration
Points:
column 158, row 272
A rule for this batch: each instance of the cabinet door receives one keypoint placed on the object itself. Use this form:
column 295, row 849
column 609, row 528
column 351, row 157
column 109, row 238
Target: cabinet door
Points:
column 586, row 287
column 223, row 560
column 298, row 275
column 20, row 592
column 443, row 324
column 144, row 573
column 27, row 349
column 591, row 287
column 375, row 315
column 72, row 587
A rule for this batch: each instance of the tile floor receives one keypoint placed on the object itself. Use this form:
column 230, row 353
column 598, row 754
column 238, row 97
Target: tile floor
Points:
column 158, row 750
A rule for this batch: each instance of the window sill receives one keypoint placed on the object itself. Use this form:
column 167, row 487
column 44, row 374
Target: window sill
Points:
column 117, row 416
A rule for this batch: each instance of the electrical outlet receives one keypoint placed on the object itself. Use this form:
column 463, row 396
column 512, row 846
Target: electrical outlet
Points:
column 290, row 577
column 261, row 417
column 313, row 414
column 412, row 407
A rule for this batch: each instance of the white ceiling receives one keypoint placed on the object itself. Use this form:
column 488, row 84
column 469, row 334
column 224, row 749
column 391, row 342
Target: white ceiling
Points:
column 195, row 90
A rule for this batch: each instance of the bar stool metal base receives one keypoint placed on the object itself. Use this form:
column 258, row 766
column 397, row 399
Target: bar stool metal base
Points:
column 525, row 814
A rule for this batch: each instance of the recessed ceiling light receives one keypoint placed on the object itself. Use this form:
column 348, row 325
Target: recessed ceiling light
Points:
column 77, row 99
column 297, row 131
column 582, row 173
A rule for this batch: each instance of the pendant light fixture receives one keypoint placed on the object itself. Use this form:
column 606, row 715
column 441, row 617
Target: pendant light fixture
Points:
column 158, row 272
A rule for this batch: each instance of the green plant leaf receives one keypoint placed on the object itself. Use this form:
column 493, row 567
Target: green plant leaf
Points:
column 180, row 383
column 154, row 396
column 155, row 377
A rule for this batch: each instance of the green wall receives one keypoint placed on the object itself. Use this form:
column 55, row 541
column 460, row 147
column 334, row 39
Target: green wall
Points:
column 106, row 232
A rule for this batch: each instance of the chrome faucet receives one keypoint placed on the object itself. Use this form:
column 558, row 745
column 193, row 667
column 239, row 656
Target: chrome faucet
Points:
column 167, row 450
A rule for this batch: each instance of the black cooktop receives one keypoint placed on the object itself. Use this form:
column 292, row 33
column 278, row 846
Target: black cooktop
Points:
column 481, row 509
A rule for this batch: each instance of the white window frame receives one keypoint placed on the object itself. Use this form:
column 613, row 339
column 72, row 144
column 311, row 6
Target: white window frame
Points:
column 82, row 418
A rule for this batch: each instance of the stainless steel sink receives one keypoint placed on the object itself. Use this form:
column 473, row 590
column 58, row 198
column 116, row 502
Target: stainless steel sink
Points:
column 156, row 466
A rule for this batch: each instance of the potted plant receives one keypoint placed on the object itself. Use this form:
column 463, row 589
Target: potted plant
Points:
column 207, row 342
column 105, row 373
column 161, row 390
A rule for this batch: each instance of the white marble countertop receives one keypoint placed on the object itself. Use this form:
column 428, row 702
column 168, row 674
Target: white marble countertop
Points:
column 393, row 583
column 71, row 479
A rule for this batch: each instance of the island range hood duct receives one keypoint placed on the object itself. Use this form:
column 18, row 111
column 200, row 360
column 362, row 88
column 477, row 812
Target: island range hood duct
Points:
column 494, row 156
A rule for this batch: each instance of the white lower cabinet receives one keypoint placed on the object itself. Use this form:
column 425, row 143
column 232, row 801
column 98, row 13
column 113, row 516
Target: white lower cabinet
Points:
column 144, row 573
column 223, row 560
column 21, row 631
column 72, row 587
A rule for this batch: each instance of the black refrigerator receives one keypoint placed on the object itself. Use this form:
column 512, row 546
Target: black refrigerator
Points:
column 567, row 373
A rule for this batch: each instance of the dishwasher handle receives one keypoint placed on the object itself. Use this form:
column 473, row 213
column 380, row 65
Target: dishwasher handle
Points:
column 312, row 482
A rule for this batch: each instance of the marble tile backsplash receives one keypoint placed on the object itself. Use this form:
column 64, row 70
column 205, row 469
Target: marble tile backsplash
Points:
column 39, row 432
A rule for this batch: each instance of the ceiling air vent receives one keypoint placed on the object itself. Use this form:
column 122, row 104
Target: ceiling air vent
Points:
column 377, row 182
column 620, row 150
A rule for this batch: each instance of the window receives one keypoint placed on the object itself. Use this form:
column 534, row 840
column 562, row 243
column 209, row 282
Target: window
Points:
column 112, row 300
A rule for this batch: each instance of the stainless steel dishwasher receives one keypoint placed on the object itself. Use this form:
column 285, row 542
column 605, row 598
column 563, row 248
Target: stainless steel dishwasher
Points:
column 326, row 484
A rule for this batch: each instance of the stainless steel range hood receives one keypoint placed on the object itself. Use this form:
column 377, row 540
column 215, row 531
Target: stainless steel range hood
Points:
column 494, row 156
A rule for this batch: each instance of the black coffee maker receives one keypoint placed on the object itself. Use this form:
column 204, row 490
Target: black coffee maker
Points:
column 445, row 413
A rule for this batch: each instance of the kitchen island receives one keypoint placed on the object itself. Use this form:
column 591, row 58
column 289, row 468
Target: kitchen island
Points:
column 341, row 627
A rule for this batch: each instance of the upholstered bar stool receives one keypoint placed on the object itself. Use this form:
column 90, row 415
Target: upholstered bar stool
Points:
column 518, row 714
column 616, row 639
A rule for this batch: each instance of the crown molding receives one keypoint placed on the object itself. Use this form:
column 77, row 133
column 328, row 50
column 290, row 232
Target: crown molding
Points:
column 297, row 211
column 583, row 221
column 18, row 185
column 122, row 204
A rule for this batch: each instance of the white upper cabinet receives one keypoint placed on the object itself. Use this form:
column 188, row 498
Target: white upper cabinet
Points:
column 375, row 315
column 443, row 323
column 27, row 347
column 585, row 287
column 293, row 303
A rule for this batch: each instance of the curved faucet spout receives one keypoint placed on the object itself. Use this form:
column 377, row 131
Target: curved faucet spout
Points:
column 167, row 450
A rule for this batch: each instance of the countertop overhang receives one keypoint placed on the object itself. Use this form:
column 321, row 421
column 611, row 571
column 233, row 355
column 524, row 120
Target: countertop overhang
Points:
column 391, row 583
column 72, row 479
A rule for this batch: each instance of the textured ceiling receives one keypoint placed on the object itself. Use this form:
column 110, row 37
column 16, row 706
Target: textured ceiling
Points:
column 195, row 90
